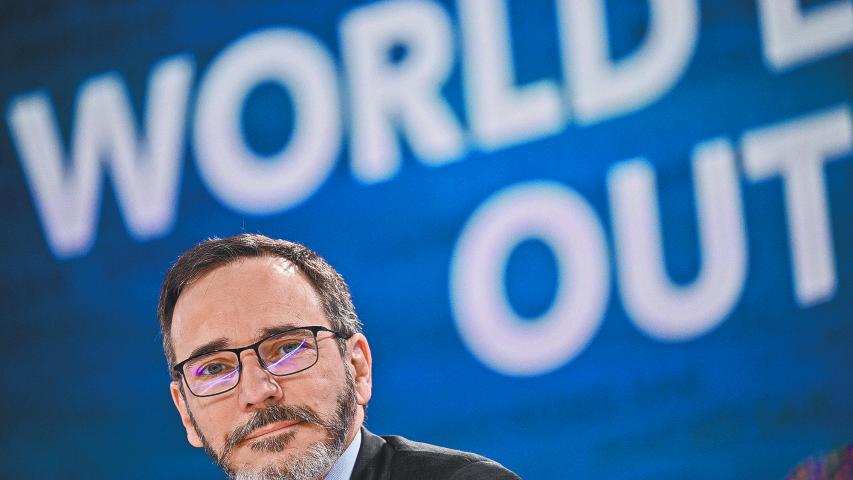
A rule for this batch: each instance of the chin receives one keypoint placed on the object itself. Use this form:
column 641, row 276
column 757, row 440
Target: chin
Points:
column 274, row 458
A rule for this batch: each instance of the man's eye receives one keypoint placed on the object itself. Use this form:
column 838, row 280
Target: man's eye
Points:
column 289, row 348
column 211, row 369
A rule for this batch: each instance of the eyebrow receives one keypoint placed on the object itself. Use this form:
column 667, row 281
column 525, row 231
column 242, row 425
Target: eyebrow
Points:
column 211, row 346
column 274, row 330
column 222, row 342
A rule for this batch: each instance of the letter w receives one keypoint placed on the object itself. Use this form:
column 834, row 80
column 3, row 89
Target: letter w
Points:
column 144, row 171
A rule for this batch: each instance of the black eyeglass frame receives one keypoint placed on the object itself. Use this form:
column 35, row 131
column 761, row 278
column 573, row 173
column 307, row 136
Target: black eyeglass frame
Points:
column 178, row 368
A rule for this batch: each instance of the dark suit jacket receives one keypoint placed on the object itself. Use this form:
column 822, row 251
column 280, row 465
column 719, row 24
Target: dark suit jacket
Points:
column 396, row 458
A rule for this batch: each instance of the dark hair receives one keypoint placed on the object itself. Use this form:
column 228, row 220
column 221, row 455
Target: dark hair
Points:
column 212, row 253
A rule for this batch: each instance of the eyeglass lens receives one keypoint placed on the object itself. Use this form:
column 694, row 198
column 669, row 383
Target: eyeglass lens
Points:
column 283, row 354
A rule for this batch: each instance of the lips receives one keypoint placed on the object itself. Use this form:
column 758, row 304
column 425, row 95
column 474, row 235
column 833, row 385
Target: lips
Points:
column 271, row 428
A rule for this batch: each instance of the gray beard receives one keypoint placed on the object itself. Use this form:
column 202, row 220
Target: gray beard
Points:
column 311, row 465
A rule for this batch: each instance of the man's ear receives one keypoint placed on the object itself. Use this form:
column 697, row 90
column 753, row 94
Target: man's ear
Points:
column 362, row 365
column 181, row 405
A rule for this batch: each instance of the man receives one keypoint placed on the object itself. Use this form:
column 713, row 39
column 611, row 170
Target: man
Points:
column 271, row 373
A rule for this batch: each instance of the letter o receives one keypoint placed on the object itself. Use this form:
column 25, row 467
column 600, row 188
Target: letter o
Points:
column 486, row 321
column 237, row 175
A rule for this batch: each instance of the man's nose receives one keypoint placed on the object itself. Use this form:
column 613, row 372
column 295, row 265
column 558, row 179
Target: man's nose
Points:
column 258, row 388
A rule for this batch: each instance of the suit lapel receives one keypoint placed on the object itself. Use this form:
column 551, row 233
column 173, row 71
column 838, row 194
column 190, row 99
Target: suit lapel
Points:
column 374, row 458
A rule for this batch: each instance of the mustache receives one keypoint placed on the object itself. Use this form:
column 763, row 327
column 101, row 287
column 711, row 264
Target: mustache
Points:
column 271, row 414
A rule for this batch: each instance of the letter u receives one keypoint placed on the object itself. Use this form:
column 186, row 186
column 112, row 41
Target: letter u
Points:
column 660, row 308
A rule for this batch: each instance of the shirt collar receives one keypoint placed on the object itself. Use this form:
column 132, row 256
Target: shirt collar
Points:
column 342, row 470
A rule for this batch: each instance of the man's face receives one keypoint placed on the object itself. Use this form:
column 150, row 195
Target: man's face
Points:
column 268, row 423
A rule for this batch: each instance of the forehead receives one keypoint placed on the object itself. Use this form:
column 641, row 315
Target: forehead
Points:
column 234, row 302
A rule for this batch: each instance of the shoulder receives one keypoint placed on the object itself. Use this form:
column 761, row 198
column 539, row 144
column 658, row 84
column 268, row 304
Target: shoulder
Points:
column 408, row 459
column 412, row 458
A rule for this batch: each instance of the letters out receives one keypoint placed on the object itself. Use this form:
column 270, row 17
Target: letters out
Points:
column 794, row 151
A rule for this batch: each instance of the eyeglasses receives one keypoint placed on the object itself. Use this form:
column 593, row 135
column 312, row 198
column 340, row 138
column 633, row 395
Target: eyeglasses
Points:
column 284, row 353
